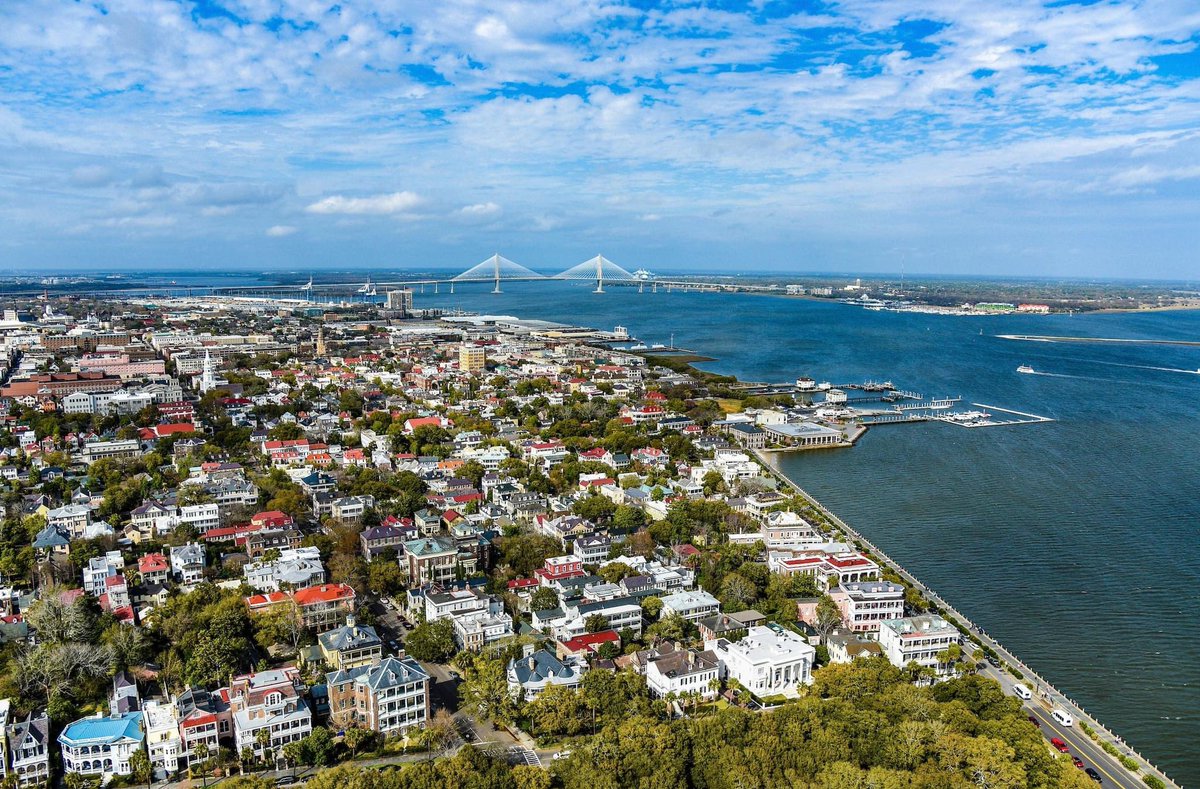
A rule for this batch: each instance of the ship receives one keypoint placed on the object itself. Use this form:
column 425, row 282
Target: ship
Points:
column 643, row 274
column 1026, row 369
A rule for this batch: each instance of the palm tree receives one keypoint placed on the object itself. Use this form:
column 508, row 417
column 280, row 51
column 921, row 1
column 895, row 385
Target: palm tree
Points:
column 202, row 758
column 292, row 753
column 262, row 738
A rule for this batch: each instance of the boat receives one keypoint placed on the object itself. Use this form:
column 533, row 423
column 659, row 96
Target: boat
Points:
column 643, row 275
column 1026, row 369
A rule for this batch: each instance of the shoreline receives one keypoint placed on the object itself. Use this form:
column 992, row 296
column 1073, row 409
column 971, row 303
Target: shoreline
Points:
column 971, row 631
column 1014, row 665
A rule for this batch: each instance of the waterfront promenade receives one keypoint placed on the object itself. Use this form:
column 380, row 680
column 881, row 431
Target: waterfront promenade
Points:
column 1046, row 696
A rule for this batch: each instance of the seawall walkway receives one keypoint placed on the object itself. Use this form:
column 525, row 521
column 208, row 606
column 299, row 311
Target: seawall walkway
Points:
column 1052, row 694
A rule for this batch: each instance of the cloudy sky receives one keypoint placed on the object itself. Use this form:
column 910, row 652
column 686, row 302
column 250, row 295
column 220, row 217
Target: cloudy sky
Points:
column 870, row 135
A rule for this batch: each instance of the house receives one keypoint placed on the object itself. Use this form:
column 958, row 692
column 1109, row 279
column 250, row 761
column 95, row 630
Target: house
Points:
column 204, row 717
column 154, row 568
column 672, row 670
column 389, row 696
column 101, row 745
column 846, row 645
column 99, row 569
column 692, row 606
column 268, row 700
column 323, row 607
column 729, row 626
column 295, row 568
column 202, row 516
column 28, row 743
column 529, row 675
column 378, row 539
column 768, row 661
column 917, row 639
column 71, row 519
column 586, row 645
column 350, row 509
column 259, row 542
column 351, row 645
column 430, row 560
column 865, row 604
column 164, row 745
column 592, row 548
column 188, row 562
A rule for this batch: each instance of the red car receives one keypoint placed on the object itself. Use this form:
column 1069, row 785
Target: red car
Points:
column 1060, row 745
column 1035, row 721
column 1077, row 762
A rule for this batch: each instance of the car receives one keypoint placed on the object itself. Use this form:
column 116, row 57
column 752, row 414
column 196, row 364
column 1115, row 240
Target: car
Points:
column 407, row 625
column 1095, row 776
column 1075, row 760
column 1059, row 745
column 1063, row 717
column 560, row 755
column 1035, row 721
column 1020, row 691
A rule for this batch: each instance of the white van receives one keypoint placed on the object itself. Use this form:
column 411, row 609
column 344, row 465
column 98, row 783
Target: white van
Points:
column 1063, row 717
column 1023, row 692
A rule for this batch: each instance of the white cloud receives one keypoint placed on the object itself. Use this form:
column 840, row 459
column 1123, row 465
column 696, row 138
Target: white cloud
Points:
column 279, row 231
column 480, row 210
column 650, row 217
column 383, row 204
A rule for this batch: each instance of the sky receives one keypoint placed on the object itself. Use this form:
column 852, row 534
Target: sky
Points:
column 952, row 137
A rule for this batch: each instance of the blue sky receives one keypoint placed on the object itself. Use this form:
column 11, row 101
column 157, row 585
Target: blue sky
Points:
column 946, row 137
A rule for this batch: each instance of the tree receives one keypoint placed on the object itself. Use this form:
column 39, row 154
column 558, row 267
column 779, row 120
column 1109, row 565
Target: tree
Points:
column 628, row 518
column 737, row 592
column 557, row 710
column 484, row 690
column 615, row 572
column 318, row 747
column 140, row 769
column 384, row 576
column 293, row 754
column 595, row 623
column 432, row 642
column 356, row 738
column 652, row 606
column 543, row 599
column 201, row 763
column 829, row 616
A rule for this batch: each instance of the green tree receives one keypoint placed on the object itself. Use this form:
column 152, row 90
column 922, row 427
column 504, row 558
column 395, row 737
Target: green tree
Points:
column 595, row 623
column 484, row 691
column 557, row 710
column 140, row 769
column 432, row 642
column 829, row 616
column 543, row 599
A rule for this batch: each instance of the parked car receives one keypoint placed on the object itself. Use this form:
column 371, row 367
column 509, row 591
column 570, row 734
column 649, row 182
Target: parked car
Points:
column 1075, row 760
column 1061, row 746
column 1035, row 721
column 1095, row 776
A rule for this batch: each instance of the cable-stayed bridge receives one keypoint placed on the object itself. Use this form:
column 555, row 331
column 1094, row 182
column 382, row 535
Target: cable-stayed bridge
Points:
column 496, row 270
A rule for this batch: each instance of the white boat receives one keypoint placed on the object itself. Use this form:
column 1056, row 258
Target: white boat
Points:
column 1026, row 369
column 643, row 275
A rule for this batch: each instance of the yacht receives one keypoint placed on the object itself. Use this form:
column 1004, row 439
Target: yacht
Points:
column 643, row 274
column 1026, row 369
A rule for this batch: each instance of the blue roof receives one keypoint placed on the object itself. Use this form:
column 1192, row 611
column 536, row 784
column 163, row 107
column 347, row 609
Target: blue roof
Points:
column 103, row 730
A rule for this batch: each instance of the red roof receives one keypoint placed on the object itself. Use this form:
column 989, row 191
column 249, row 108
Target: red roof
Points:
column 522, row 583
column 589, row 642
column 152, row 563
column 325, row 593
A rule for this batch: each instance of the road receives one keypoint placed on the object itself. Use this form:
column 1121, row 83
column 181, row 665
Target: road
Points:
column 1113, row 773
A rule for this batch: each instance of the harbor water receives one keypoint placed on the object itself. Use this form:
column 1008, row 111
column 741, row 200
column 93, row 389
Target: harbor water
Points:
column 1073, row 542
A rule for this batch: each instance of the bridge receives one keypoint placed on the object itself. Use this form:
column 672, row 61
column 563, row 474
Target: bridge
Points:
column 496, row 270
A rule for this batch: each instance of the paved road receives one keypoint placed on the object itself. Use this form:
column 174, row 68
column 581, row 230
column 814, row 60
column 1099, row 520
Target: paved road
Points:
column 1112, row 772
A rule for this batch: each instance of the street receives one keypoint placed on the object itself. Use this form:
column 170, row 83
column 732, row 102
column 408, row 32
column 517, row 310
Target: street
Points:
column 1113, row 773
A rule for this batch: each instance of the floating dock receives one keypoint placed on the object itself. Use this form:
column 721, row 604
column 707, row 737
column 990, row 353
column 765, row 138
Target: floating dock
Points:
column 1024, row 419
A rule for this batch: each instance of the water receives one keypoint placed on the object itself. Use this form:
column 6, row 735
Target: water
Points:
column 1072, row 542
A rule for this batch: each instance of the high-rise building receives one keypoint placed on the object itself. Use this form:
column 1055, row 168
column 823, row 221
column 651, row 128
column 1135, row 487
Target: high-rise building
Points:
column 472, row 358
column 401, row 300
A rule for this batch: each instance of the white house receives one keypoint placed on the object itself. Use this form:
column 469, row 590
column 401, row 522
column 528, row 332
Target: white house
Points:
column 917, row 639
column 163, row 743
column 682, row 672
column 768, row 661
column 101, row 746
column 692, row 606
